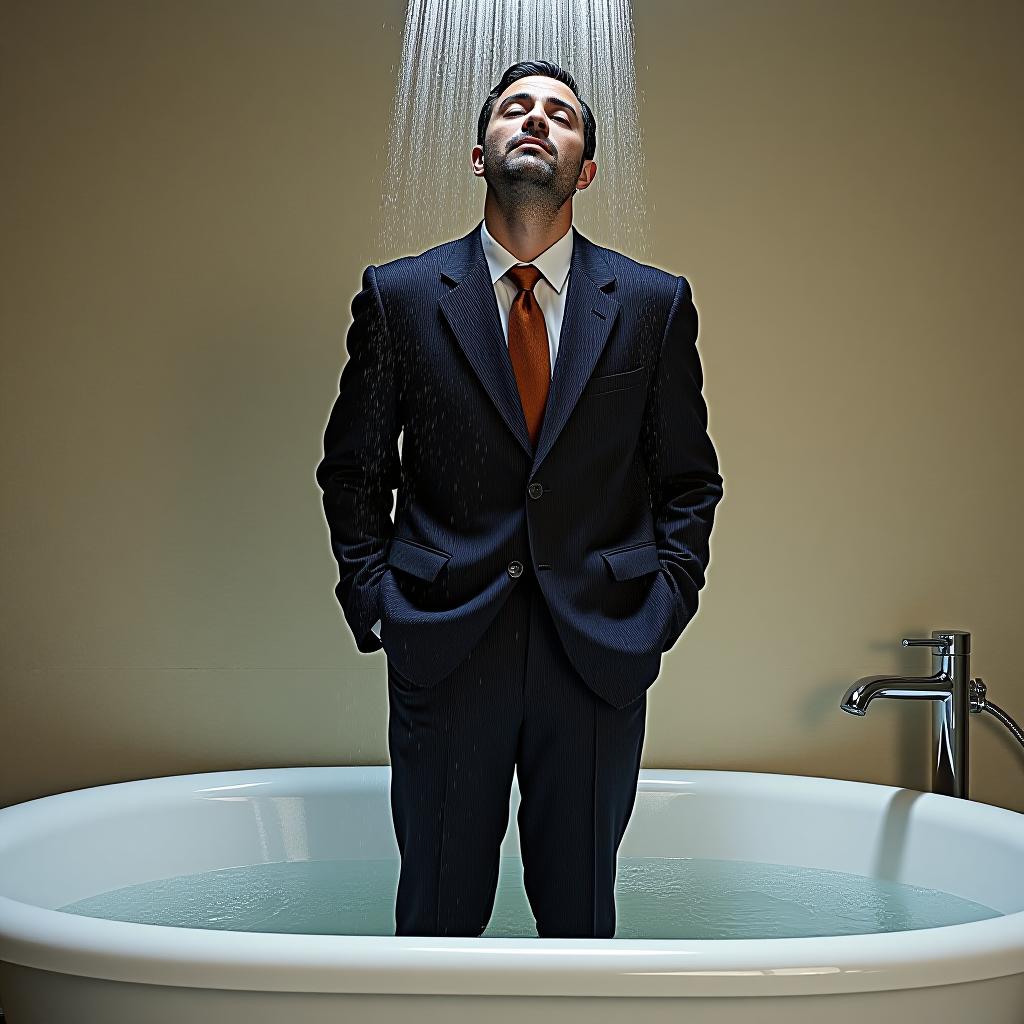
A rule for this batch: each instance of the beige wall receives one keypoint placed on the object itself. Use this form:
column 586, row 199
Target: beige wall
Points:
column 184, row 224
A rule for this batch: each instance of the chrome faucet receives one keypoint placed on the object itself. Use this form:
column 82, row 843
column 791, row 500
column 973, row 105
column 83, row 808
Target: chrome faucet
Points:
column 954, row 695
column 948, row 688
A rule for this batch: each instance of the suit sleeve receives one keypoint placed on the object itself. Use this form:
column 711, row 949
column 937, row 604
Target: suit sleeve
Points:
column 361, row 465
column 682, row 464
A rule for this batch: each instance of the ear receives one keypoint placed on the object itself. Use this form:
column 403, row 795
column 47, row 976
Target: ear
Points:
column 587, row 174
column 476, row 159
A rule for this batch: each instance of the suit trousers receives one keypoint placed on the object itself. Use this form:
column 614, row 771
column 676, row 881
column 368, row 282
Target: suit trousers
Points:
column 516, row 703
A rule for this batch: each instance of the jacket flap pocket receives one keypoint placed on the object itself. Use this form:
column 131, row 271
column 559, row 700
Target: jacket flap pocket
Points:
column 416, row 559
column 627, row 563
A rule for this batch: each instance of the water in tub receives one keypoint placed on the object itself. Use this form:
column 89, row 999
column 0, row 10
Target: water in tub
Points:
column 662, row 898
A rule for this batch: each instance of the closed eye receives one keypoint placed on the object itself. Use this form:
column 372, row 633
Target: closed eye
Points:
column 511, row 113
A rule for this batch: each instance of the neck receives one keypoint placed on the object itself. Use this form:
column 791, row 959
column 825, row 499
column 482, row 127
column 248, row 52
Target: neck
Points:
column 526, row 233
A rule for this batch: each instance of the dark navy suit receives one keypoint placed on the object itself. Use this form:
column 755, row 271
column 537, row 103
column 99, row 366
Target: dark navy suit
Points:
column 525, row 596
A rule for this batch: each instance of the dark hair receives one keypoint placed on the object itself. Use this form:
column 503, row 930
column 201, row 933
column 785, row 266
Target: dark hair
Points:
column 539, row 67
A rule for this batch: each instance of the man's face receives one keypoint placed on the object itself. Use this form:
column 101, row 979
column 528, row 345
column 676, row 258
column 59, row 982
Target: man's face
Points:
column 534, row 141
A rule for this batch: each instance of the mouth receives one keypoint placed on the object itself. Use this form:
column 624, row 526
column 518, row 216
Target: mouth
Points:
column 531, row 142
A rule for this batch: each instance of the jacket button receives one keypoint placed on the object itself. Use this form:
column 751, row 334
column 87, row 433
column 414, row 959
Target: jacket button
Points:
column 535, row 490
column 515, row 568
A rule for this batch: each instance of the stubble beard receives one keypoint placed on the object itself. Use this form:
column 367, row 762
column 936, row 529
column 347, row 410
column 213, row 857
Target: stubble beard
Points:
column 525, row 184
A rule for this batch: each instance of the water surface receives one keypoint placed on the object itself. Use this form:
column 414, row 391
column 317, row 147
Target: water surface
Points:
column 656, row 898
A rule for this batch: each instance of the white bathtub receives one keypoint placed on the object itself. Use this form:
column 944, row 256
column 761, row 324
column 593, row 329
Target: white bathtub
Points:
column 57, row 967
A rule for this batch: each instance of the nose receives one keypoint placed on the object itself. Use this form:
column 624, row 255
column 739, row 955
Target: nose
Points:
column 537, row 123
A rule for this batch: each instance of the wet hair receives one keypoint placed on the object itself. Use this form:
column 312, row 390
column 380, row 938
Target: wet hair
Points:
column 539, row 67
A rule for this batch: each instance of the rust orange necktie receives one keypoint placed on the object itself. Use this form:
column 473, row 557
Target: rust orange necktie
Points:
column 528, row 348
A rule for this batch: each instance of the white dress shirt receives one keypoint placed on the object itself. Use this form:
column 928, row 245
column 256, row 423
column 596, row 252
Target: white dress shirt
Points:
column 549, row 291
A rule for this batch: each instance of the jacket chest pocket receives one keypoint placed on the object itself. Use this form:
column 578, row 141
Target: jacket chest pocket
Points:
column 609, row 382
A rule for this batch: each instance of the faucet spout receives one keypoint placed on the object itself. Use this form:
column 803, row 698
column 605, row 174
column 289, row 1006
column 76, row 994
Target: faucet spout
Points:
column 857, row 698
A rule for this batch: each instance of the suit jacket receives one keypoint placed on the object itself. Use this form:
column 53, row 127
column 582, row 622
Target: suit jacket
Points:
column 612, row 513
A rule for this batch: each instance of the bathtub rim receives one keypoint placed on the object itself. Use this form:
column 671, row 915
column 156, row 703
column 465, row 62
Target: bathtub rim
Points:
column 46, row 939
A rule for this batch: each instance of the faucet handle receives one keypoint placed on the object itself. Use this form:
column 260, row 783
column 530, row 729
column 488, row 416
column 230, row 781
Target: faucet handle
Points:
column 942, row 642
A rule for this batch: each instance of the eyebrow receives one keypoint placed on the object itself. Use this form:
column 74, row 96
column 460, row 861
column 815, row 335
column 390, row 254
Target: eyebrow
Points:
column 557, row 100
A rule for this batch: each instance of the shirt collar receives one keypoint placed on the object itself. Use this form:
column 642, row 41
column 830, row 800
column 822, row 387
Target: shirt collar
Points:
column 553, row 262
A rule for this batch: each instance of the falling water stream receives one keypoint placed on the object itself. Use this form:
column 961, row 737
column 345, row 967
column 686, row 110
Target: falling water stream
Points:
column 453, row 54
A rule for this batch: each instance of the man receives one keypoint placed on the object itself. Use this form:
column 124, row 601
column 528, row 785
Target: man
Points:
column 556, row 493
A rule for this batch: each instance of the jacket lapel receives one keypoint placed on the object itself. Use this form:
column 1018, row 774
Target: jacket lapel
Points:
column 471, row 309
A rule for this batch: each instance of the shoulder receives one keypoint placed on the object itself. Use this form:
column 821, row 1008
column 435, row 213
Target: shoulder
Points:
column 406, row 275
column 646, row 276
column 629, row 269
